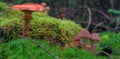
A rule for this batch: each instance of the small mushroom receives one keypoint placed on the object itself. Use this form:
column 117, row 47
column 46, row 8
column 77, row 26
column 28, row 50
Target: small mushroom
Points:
column 95, row 36
column 43, row 4
column 82, row 38
column 47, row 9
column 95, row 40
column 27, row 8
column 76, row 41
column 84, row 34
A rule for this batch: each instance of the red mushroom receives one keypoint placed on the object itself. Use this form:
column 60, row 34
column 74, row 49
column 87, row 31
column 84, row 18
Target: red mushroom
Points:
column 82, row 38
column 76, row 41
column 84, row 34
column 95, row 40
column 47, row 9
column 95, row 36
column 43, row 4
column 27, row 8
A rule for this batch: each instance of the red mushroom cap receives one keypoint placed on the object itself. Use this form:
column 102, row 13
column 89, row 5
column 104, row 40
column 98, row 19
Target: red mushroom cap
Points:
column 28, row 6
column 95, row 36
column 43, row 4
column 47, row 8
column 84, row 34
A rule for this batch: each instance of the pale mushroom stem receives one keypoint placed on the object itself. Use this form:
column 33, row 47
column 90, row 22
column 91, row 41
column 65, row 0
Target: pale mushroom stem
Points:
column 27, row 17
column 94, row 47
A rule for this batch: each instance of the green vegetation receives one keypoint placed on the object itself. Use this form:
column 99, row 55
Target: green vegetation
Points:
column 25, row 49
column 114, row 11
column 111, row 39
column 56, row 31
column 41, row 27
column 3, row 6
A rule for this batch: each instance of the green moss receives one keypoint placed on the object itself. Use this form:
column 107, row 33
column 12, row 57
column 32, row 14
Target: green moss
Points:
column 3, row 6
column 25, row 49
column 41, row 27
column 111, row 39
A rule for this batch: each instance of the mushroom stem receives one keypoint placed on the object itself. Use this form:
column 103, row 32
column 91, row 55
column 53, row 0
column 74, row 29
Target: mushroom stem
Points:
column 82, row 43
column 94, row 47
column 27, row 17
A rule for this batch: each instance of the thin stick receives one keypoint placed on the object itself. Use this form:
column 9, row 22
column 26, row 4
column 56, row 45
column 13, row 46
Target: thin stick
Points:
column 101, row 12
column 107, row 54
column 89, row 18
column 36, row 43
column 99, row 24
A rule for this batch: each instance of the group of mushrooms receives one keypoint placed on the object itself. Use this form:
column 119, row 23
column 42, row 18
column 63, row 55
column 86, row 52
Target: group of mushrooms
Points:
column 28, row 9
column 81, row 40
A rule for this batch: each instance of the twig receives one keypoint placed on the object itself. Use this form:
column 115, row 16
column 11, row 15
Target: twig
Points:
column 89, row 18
column 108, row 28
column 107, row 54
column 101, row 12
column 36, row 43
column 99, row 24
column 117, row 23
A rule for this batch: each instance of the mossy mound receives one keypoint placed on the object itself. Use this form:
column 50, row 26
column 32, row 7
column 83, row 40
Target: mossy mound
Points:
column 42, row 27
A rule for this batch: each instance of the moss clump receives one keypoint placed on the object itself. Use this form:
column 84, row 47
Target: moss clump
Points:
column 42, row 27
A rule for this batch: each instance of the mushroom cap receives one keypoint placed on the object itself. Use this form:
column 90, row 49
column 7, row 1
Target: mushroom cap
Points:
column 43, row 4
column 47, row 8
column 95, row 36
column 84, row 34
column 28, row 6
